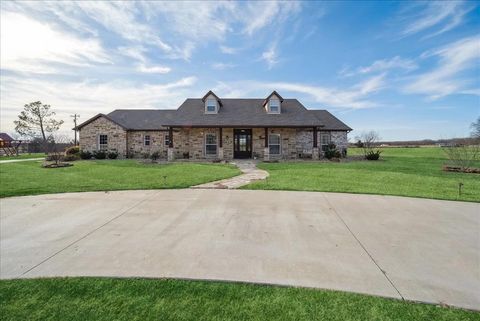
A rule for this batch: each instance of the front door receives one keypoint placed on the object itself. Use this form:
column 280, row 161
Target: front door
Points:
column 242, row 143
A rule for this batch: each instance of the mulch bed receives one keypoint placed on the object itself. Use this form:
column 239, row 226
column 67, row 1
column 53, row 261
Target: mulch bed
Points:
column 461, row 170
column 59, row 165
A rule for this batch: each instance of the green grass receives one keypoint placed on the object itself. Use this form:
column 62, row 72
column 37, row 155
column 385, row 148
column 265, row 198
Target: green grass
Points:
column 29, row 178
column 415, row 172
column 142, row 299
column 23, row 156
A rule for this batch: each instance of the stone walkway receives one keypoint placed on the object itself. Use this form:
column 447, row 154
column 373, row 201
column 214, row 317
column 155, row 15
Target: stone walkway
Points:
column 20, row 160
column 250, row 173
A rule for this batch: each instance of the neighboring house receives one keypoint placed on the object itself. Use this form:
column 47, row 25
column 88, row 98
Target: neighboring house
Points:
column 5, row 140
column 213, row 128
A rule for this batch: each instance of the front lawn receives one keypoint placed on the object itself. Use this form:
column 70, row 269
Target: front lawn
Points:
column 29, row 178
column 415, row 172
column 23, row 156
column 143, row 299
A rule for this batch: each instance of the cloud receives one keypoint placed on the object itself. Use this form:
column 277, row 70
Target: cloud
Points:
column 30, row 46
column 138, row 53
column 258, row 15
column 451, row 74
column 153, row 69
column 380, row 66
column 270, row 56
column 121, row 18
column 229, row 50
column 222, row 66
column 195, row 20
column 176, row 28
column 354, row 97
column 387, row 64
column 441, row 15
column 87, row 97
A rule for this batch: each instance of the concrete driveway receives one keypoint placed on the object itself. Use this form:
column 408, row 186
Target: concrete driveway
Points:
column 399, row 247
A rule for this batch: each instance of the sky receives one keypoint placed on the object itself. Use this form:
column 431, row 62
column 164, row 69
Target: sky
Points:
column 409, row 70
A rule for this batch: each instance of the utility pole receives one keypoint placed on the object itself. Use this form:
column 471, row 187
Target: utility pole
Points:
column 75, row 117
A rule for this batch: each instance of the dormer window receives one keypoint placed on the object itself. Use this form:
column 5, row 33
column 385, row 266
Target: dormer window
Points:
column 274, row 106
column 273, row 103
column 211, row 106
column 212, row 103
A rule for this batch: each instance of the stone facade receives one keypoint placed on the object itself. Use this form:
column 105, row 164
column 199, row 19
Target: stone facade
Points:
column 190, row 142
column 117, row 136
column 340, row 139
column 137, row 147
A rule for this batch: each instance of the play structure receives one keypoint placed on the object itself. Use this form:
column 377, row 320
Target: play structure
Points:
column 8, row 145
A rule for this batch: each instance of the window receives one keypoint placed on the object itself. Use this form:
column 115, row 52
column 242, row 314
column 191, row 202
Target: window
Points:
column 211, row 105
column 102, row 142
column 211, row 144
column 146, row 140
column 167, row 140
column 274, row 144
column 274, row 106
column 324, row 141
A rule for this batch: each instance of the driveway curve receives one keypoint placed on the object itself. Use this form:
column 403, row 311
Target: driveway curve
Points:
column 415, row 249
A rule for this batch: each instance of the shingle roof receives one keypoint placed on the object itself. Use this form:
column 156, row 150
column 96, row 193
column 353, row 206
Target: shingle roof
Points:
column 5, row 137
column 329, row 121
column 243, row 112
column 142, row 119
column 233, row 113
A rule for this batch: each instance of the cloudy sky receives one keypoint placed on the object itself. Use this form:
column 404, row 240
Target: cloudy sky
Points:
column 410, row 70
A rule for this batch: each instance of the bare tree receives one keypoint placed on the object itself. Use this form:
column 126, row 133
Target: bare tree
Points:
column 36, row 120
column 370, row 141
column 476, row 128
column 463, row 154
column 56, row 149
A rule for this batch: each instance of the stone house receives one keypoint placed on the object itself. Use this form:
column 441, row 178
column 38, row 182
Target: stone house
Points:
column 268, row 128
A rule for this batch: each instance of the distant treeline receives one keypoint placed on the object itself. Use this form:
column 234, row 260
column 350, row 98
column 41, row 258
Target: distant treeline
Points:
column 426, row 142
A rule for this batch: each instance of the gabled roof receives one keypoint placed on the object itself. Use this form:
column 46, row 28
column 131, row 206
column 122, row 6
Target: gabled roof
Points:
column 5, row 137
column 95, row 118
column 243, row 113
column 329, row 121
column 135, row 119
column 213, row 94
column 269, row 96
column 142, row 119
column 249, row 112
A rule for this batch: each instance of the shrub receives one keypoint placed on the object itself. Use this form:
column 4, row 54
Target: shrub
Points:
column 71, row 157
column 99, row 154
column 146, row 155
column 332, row 151
column 373, row 155
column 85, row 155
column 72, row 150
column 54, row 157
column 155, row 156
column 112, row 155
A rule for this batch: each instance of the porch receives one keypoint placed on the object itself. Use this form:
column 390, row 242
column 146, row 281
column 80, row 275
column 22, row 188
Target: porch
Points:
column 262, row 143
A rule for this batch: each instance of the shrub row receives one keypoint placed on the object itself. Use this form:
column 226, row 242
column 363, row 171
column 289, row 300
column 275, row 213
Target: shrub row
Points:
column 98, row 155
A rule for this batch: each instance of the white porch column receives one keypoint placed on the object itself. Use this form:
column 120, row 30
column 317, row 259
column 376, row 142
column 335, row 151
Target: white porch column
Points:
column 170, row 154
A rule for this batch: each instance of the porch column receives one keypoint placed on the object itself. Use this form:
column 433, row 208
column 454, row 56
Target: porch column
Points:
column 220, row 143
column 315, row 151
column 266, row 151
column 170, row 150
